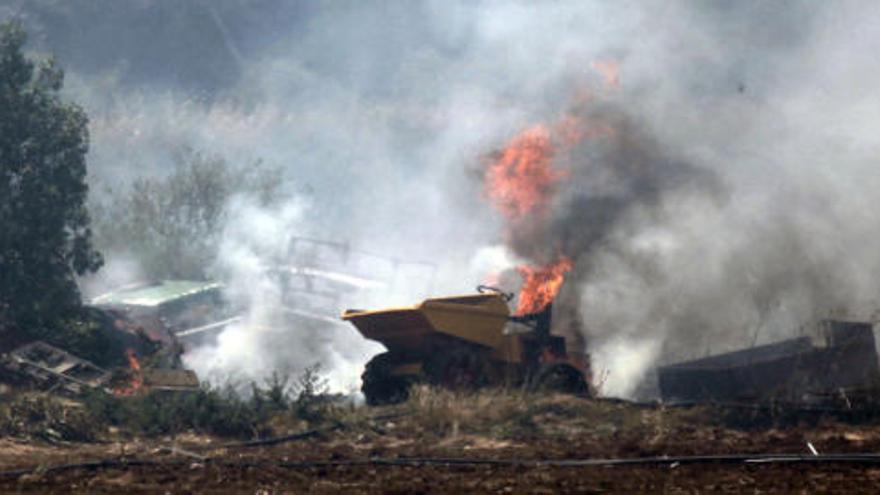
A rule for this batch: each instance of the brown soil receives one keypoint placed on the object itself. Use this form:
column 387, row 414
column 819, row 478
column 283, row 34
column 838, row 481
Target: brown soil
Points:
column 550, row 428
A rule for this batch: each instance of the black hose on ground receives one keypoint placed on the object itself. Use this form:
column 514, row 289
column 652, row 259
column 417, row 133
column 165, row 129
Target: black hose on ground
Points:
column 672, row 461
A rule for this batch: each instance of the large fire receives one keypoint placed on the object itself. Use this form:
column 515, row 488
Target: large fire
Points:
column 521, row 178
column 541, row 284
column 521, row 181
column 137, row 377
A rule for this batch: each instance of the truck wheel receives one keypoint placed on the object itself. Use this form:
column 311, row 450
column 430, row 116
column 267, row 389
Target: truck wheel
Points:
column 560, row 377
column 379, row 386
column 458, row 368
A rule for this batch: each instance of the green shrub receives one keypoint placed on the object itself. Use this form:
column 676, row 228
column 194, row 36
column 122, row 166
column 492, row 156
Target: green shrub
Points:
column 218, row 411
column 208, row 410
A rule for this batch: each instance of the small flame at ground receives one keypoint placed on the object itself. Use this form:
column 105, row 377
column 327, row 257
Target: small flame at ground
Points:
column 137, row 378
column 541, row 284
column 521, row 178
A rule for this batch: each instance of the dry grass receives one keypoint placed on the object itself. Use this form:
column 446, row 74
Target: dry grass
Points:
column 488, row 418
column 445, row 412
column 521, row 415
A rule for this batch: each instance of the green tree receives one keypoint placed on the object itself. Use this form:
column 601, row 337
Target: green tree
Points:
column 45, row 239
column 172, row 224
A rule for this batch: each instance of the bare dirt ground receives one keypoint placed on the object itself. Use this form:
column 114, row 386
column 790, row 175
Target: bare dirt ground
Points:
column 453, row 444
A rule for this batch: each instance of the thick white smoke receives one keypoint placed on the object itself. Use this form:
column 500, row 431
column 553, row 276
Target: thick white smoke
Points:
column 267, row 339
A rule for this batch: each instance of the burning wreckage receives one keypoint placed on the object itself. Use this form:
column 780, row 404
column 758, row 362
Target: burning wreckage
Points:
column 456, row 342
column 550, row 226
column 155, row 323
column 472, row 341
column 137, row 320
column 45, row 367
column 466, row 342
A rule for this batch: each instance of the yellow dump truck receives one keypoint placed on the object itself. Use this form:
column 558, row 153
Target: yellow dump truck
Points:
column 465, row 342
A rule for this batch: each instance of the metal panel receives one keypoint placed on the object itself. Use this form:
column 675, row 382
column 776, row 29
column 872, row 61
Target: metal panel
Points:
column 792, row 370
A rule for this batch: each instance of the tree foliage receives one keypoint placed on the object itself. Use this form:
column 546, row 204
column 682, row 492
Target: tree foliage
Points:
column 172, row 224
column 45, row 237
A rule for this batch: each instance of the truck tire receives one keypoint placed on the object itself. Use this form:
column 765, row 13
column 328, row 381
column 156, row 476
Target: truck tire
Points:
column 560, row 377
column 379, row 386
column 460, row 367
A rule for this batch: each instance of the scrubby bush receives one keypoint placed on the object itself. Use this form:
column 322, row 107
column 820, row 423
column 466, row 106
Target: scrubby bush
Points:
column 46, row 417
column 310, row 404
column 208, row 410
column 219, row 411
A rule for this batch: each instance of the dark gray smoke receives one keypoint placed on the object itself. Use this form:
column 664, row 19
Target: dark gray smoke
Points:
column 615, row 168
column 607, row 173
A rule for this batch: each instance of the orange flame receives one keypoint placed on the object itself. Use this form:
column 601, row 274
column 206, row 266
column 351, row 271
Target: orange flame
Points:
column 137, row 377
column 521, row 178
column 541, row 284
column 521, row 181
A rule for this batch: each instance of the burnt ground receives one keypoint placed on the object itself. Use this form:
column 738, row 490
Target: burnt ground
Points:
column 426, row 445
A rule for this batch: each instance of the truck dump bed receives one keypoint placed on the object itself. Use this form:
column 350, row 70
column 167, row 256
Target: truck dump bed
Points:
column 478, row 319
